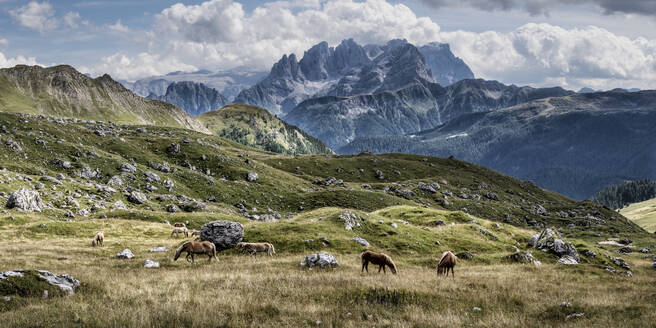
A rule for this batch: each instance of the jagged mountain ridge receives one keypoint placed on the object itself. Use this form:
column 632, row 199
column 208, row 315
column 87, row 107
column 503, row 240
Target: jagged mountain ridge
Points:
column 194, row 98
column 64, row 92
column 575, row 144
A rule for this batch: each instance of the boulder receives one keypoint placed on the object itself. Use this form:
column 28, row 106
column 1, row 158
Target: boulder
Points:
column 426, row 187
column 321, row 260
column 252, row 176
column 66, row 283
column 25, row 199
column 159, row 249
column 151, row 176
column 465, row 256
column 524, row 257
column 127, row 167
column 172, row 208
column 549, row 241
column 350, row 220
column 223, row 234
column 137, row 197
column 360, row 241
column 125, row 254
column 173, row 149
column 566, row 259
column 119, row 205
column 151, row 264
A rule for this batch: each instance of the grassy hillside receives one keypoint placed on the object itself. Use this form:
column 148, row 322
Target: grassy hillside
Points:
column 256, row 127
column 75, row 168
column 643, row 214
column 62, row 91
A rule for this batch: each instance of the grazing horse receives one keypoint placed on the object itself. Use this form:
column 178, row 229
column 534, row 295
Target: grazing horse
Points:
column 179, row 225
column 195, row 233
column 197, row 247
column 177, row 231
column 254, row 248
column 98, row 239
column 379, row 259
column 448, row 261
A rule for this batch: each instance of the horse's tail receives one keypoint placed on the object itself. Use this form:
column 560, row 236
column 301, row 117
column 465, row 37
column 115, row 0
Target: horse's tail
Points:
column 214, row 252
column 180, row 250
column 93, row 242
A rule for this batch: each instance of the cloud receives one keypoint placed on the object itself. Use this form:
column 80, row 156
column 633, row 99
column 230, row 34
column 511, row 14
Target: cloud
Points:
column 536, row 7
column 39, row 16
column 543, row 54
column 144, row 64
column 118, row 27
column 11, row 62
column 220, row 34
column 4, row 42
column 73, row 20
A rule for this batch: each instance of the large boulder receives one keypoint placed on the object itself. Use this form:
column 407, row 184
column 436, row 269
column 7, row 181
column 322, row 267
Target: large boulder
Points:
column 125, row 254
column 137, row 197
column 252, row 176
column 25, row 199
column 550, row 241
column 223, row 234
column 64, row 282
column 322, row 260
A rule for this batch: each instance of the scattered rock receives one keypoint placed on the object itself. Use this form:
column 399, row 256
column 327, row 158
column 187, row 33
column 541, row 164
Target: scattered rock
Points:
column 223, row 234
column 574, row 316
column 151, row 264
column 252, row 176
column 127, row 167
column 539, row 210
column 427, row 187
column 360, row 241
column 589, row 253
column 549, row 240
column 152, row 177
column 525, row 257
column 394, row 225
column 321, row 260
column 465, row 256
column 173, row 149
column 66, row 283
column 379, row 175
column 137, row 197
column 172, row 208
column 566, row 259
column 624, row 250
column 25, row 199
column 125, row 254
column 439, row 222
column 621, row 263
column 350, row 220
column 119, row 205
column 476, row 308
column 158, row 249
column 625, row 241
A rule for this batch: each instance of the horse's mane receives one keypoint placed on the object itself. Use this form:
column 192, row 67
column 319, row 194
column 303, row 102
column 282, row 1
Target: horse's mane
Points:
column 445, row 258
column 180, row 250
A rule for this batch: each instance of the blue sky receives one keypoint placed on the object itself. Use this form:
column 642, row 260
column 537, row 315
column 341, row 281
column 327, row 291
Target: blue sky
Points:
column 598, row 43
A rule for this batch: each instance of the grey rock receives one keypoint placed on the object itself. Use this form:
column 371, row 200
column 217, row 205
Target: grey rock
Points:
column 50, row 179
column 252, row 177
column 321, row 260
column 574, row 316
column 173, row 149
column 115, row 181
column 65, row 282
column 125, row 254
column 566, row 259
column 151, row 264
column 152, row 177
column 25, row 199
column 172, row 208
column 350, row 220
column 119, row 205
column 159, row 249
column 465, row 255
column 549, row 240
column 525, row 257
column 589, row 253
column 137, row 197
column 223, row 234
column 360, row 241
column 426, row 187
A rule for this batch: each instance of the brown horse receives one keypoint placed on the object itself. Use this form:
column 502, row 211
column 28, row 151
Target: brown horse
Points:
column 379, row 259
column 181, row 230
column 98, row 239
column 196, row 247
column 448, row 261
column 254, row 248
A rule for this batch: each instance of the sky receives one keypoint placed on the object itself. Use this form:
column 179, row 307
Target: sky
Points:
column 602, row 44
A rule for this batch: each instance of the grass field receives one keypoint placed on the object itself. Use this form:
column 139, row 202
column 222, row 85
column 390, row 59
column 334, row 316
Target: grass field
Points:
column 643, row 214
column 264, row 292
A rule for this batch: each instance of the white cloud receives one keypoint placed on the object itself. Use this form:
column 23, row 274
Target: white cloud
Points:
column 118, row 27
column 72, row 19
column 39, row 16
column 11, row 62
column 220, row 34
column 543, row 54
column 4, row 42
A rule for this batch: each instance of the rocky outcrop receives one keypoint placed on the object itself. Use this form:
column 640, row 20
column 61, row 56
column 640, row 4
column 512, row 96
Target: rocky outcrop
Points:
column 64, row 282
column 193, row 97
column 125, row 254
column 550, row 241
column 25, row 199
column 321, row 260
column 447, row 68
column 223, row 234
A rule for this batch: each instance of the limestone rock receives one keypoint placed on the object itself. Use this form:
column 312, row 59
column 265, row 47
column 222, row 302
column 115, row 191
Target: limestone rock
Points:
column 25, row 199
column 321, row 260
column 223, row 234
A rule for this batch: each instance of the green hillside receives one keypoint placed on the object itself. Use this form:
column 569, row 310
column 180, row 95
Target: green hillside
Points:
column 642, row 213
column 256, row 127
column 61, row 91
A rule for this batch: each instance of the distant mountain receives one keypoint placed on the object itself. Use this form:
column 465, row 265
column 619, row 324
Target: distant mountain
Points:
column 256, row 127
column 64, row 92
column 194, row 98
column 228, row 83
column 575, row 145
column 421, row 106
column 352, row 70
column 447, row 68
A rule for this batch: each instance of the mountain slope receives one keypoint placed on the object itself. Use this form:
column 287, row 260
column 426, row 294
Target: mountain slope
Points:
column 642, row 214
column 256, row 127
column 575, row 144
column 62, row 91
column 194, row 98
column 447, row 68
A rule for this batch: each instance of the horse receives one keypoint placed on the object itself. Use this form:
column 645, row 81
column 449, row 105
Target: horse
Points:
column 448, row 261
column 98, row 239
column 379, row 259
column 177, row 231
column 254, row 248
column 197, row 247
column 195, row 233
column 179, row 225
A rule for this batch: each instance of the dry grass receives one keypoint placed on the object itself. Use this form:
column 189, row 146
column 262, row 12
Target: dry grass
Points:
column 241, row 291
column 643, row 214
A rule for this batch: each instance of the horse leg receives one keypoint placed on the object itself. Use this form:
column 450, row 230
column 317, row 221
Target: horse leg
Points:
column 209, row 257
column 385, row 272
column 453, row 274
column 363, row 264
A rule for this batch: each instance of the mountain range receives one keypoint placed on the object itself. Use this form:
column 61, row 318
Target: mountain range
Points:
column 193, row 97
column 575, row 144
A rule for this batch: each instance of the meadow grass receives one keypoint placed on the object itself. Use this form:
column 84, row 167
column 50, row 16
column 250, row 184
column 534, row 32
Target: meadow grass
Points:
column 643, row 214
column 262, row 292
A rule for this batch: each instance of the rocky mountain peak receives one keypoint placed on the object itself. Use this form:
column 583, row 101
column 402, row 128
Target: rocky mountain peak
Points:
column 446, row 67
